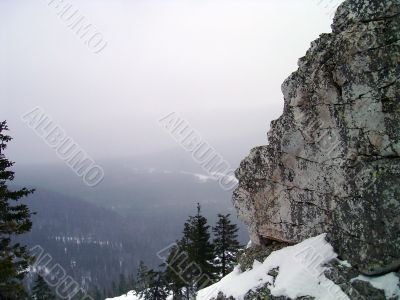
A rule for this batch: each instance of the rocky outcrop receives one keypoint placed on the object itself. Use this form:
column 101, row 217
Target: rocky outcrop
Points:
column 332, row 163
column 342, row 276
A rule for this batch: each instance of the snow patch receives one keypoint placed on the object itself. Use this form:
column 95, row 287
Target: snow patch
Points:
column 249, row 244
column 214, row 176
column 131, row 296
column 345, row 263
column 300, row 273
column 389, row 283
column 301, row 270
column 202, row 178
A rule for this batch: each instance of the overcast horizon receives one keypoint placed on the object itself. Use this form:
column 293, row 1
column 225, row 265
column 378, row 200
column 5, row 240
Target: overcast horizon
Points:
column 192, row 57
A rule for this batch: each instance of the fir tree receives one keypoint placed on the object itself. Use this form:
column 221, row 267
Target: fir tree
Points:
column 14, row 220
column 122, row 285
column 151, row 284
column 199, row 249
column 114, row 289
column 175, row 267
column 142, row 278
column 157, row 287
column 98, row 295
column 41, row 290
column 79, row 295
column 131, row 282
column 226, row 244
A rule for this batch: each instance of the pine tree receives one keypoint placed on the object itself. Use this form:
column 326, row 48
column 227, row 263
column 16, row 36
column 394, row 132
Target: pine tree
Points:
column 122, row 285
column 98, row 295
column 79, row 295
column 131, row 282
column 199, row 249
column 142, row 278
column 226, row 244
column 157, row 288
column 114, row 289
column 174, row 272
column 41, row 290
column 151, row 285
column 14, row 220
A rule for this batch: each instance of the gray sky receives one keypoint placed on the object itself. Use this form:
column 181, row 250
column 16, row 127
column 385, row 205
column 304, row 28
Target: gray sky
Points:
column 220, row 64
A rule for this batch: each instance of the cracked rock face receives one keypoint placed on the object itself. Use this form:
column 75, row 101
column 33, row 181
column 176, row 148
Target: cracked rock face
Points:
column 332, row 163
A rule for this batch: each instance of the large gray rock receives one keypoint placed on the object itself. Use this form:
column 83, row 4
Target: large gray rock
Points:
column 332, row 163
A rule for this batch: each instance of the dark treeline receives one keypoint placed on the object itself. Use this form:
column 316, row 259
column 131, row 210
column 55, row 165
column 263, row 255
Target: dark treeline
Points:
column 201, row 257
column 15, row 219
column 193, row 262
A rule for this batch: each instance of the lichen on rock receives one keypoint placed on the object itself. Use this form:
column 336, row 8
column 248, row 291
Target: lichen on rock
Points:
column 332, row 163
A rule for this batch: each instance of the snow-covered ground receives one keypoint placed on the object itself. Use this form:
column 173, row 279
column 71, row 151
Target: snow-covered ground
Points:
column 301, row 269
column 389, row 283
column 131, row 296
column 300, row 274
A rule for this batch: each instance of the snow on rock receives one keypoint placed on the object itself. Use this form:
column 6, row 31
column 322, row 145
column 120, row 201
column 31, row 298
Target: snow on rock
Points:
column 296, row 271
column 300, row 273
column 389, row 283
column 129, row 296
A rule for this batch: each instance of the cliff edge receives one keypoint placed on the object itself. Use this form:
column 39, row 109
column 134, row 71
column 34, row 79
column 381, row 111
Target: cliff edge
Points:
column 332, row 163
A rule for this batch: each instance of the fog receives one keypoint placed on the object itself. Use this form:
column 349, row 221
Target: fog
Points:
column 219, row 64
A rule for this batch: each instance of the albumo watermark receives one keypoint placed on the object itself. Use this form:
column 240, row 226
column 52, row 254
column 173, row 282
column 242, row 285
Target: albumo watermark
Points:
column 202, row 152
column 177, row 260
column 55, row 275
column 65, row 147
column 79, row 24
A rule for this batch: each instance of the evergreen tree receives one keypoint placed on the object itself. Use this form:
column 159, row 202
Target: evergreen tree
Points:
column 151, row 285
column 200, row 250
column 14, row 220
column 114, row 289
column 157, row 288
column 226, row 244
column 122, row 286
column 142, row 278
column 175, row 267
column 105, row 292
column 98, row 295
column 41, row 290
column 131, row 282
column 79, row 295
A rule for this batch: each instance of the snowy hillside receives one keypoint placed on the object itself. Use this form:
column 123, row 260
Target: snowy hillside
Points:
column 299, row 270
column 292, row 272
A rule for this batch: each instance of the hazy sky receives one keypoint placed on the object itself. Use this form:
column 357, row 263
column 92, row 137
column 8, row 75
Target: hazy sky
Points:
column 220, row 64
